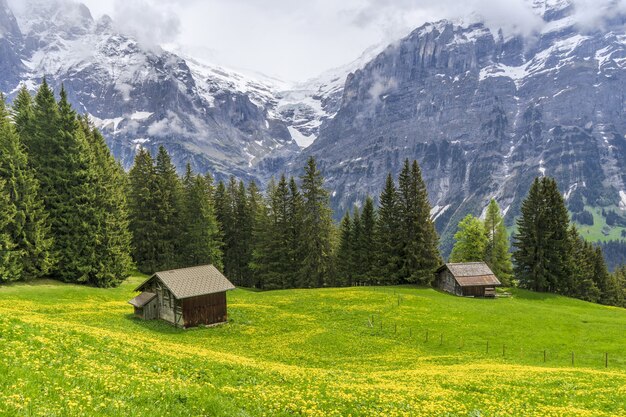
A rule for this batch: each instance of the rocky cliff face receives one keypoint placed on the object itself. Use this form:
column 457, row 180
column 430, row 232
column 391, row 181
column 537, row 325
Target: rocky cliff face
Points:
column 484, row 115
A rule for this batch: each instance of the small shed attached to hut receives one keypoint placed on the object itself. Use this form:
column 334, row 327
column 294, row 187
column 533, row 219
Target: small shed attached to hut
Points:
column 185, row 297
column 467, row 279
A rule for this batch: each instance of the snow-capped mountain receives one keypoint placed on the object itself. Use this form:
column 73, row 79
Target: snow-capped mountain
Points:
column 485, row 113
column 215, row 118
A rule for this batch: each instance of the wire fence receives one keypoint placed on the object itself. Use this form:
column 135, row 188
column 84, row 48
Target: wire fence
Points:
column 429, row 337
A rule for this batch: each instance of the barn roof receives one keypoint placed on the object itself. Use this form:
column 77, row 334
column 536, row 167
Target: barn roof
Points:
column 193, row 282
column 142, row 299
column 470, row 274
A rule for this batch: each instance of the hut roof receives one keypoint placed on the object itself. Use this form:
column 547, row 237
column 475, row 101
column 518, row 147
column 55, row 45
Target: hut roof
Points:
column 192, row 282
column 142, row 299
column 470, row 274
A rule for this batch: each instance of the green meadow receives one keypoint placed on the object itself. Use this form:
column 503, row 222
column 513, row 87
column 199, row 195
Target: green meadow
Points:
column 69, row 350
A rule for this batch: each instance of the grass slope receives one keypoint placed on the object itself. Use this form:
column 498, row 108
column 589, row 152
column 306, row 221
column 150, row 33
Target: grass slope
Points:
column 74, row 351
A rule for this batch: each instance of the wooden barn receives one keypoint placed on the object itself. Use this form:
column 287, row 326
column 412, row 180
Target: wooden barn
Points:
column 469, row 279
column 185, row 297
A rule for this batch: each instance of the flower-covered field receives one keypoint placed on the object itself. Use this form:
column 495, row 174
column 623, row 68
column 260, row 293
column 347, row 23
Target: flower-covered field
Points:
column 75, row 351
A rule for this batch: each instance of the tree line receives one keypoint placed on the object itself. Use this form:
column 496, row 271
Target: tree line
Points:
column 68, row 211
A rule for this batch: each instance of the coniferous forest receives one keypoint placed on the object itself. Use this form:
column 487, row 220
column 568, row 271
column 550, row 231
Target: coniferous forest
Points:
column 68, row 211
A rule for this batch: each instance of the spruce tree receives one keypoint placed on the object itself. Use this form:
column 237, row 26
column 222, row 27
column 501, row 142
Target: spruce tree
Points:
column 367, row 241
column 258, row 212
column 387, row 233
column 357, row 251
column 420, row 252
column 143, row 205
column 201, row 243
column 29, row 230
column 470, row 241
column 344, row 251
column 316, row 226
column 295, row 237
column 542, row 260
column 23, row 115
column 271, row 257
column 113, row 246
column 168, row 213
column 582, row 284
column 497, row 254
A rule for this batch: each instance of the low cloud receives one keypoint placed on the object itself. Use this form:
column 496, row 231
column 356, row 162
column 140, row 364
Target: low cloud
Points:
column 152, row 24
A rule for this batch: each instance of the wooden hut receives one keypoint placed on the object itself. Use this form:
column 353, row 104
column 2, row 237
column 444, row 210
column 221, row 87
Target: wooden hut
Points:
column 469, row 279
column 185, row 297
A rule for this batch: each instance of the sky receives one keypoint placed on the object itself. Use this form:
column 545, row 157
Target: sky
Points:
column 297, row 40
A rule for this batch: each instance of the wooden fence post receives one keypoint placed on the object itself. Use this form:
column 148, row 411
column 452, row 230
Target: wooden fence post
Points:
column 544, row 356
column 426, row 335
column 572, row 358
column 441, row 341
column 487, row 346
column 606, row 360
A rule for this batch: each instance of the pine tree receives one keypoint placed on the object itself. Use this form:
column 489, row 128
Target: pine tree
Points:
column 542, row 260
column 367, row 241
column 29, row 230
column 420, row 253
column 23, row 115
column 143, row 205
column 258, row 212
column 113, row 246
column 317, row 227
column 471, row 241
column 271, row 257
column 497, row 254
column 344, row 252
column 357, row 251
column 295, row 237
column 168, row 212
column 582, row 283
column 201, row 243
column 387, row 234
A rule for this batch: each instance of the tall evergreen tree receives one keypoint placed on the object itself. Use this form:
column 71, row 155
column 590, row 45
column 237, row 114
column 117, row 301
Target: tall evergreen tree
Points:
column 497, row 254
column 168, row 212
column 345, row 255
column 201, row 244
column 143, row 205
column 29, row 230
column 295, row 236
column 420, row 252
column 316, row 226
column 582, row 285
column 23, row 115
column 471, row 241
column 357, row 251
column 271, row 257
column 113, row 246
column 367, row 246
column 387, row 235
column 542, row 260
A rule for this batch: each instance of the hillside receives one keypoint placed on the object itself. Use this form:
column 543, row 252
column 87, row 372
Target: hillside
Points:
column 69, row 350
